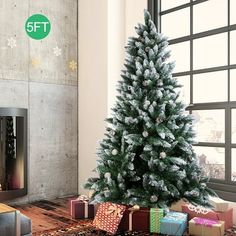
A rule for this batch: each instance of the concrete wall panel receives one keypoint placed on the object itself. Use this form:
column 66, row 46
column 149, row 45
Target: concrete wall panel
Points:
column 13, row 93
column 14, row 58
column 52, row 141
column 52, row 68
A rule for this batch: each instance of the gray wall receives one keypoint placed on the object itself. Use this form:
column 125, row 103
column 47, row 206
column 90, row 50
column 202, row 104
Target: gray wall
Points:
column 48, row 89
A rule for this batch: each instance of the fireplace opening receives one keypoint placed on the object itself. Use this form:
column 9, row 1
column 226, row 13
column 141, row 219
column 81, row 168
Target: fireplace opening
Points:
column 13, row 153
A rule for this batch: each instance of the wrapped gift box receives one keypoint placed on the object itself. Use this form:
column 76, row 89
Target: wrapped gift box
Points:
column 177, row 206
column 174, row 223
column 206, row 227
column 135, row 219
column 219, row 204
column 108, row 217
column 197, row 211
column 80, row 208
column 156, row 216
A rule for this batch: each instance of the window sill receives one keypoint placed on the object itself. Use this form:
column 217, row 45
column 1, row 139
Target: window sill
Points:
column 224, row 191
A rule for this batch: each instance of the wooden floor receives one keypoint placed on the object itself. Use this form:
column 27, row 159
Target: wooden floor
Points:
column 47, row 215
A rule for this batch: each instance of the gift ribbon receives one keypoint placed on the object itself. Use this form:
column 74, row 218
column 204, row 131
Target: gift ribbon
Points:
column 132, row 210
column 114, row 210
column 85, row 209
column 85, row 199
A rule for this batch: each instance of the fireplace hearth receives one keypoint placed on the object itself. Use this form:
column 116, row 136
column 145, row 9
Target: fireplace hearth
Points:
column 13, row 153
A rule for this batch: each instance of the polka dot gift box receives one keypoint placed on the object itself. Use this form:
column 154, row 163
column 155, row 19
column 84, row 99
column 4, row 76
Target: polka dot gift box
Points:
column 108, row 217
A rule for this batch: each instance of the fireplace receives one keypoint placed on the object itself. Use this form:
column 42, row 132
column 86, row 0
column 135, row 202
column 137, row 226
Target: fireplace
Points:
column 13, row 153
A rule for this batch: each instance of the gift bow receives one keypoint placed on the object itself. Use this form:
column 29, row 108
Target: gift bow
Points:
column 198, row 209
column 114, row 210
column 134, row 208
column 175, row 217
column 83, row 198
column 205, row 222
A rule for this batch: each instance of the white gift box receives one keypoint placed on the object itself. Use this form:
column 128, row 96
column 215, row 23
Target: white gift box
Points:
column 219, row 204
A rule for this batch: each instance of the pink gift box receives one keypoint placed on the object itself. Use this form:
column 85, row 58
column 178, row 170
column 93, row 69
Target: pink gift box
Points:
column 197, row 211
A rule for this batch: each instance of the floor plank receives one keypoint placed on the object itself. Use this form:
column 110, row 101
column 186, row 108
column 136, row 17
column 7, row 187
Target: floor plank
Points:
column 48, row 215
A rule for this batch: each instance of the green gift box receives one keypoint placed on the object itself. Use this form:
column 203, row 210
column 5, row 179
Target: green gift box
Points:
column 156, row 215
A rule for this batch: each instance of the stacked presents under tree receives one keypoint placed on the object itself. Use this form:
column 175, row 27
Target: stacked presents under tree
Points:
column 182, row 218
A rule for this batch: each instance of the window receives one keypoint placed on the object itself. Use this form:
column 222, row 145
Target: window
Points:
column 207, row 72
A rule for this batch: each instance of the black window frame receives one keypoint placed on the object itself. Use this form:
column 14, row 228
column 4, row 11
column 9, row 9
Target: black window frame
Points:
column 225, row 188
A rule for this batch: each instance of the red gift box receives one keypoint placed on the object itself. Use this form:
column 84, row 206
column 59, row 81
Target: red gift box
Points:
column 135, row 219
column 80, row 208
column 108, row 217
column 197, row 211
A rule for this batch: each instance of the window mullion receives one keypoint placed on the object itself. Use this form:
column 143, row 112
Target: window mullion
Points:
column 191, row 53
column 228, row 163
column 208, row 144
column 182, row 6
column 228, row 51
column 205, row 70
column 228, row 144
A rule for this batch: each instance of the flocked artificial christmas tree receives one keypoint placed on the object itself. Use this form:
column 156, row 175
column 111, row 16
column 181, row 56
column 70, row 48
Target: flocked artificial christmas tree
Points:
column 147, row 156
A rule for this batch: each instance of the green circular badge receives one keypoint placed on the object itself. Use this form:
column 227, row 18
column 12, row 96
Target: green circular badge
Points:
column 37, row 26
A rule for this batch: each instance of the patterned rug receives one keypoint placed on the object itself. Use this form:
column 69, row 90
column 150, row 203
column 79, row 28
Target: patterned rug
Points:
column 85, row 228
column 77, row 231
column 81, row 228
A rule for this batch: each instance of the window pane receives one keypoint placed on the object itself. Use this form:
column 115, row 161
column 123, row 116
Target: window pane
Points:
column 210, row 51
column 233, row 118
column 209, row 125
column 185, row 90
column 232, row 12
column 203, row 21
column 233, row 85
column 212, row 159
column 233, row 164
column 167, row 4
column 202, row 84
column 177, row 52
column 233, row 47
column 180, row 18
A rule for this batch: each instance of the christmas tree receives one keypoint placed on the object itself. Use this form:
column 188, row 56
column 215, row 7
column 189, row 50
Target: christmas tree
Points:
column 147, row 156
